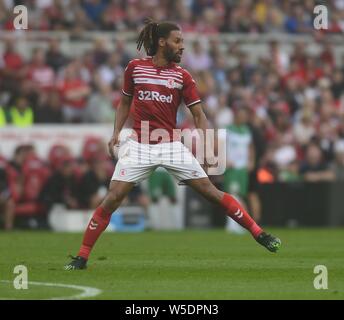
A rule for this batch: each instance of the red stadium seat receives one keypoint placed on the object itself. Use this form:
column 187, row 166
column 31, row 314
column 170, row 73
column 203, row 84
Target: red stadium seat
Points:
column 93, row 146
column 29, row 209
column 56, row 154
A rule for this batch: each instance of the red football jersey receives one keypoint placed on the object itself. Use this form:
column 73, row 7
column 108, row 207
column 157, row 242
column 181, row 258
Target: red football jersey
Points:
column 157, row 93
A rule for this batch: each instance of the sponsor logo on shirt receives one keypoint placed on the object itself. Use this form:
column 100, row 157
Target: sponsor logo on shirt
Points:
column 154, row 96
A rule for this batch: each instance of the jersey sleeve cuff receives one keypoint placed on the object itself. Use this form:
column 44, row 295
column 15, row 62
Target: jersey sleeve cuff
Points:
column 126, row 94
column 193, row 103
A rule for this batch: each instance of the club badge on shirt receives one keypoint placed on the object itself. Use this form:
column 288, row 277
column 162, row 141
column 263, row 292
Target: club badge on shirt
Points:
column 170, row 83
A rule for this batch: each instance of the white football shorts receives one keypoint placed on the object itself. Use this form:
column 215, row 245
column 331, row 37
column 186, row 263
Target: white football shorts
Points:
column 136, row 161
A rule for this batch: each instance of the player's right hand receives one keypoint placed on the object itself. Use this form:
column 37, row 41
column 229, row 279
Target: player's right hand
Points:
column 112, row 145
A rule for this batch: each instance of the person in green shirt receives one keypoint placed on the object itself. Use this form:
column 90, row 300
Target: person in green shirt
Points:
column 160, row 184
column 240, row 159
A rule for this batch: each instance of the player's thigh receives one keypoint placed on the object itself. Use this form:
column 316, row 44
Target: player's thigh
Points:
column 206, row 188
column 118, row 190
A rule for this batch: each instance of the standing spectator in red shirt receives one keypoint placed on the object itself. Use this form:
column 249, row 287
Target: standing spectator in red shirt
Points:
column 12, row 59
column 12, row 66
column 39, row 75
column 74, row 92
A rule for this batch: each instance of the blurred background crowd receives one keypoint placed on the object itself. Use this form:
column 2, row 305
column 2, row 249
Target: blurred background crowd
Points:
column 205, row 16
column 291, row 101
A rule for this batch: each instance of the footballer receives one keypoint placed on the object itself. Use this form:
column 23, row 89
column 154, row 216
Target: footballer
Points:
column 156, row 86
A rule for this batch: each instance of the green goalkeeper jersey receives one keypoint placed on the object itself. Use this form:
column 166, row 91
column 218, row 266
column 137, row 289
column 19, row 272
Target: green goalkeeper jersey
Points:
column 238, row 140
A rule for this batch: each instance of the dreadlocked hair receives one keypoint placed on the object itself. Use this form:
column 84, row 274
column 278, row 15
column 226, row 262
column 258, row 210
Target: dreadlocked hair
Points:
column 150, row 34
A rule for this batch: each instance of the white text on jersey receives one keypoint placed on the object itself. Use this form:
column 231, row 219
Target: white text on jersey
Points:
column 154, row 96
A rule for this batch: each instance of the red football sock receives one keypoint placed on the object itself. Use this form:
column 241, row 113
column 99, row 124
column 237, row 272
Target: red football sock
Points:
column 100, row 220
column 239, row 214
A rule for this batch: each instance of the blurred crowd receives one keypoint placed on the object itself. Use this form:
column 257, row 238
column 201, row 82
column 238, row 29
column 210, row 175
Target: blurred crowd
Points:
column 31, row 186
column 53, row 88
column 294, row 99
column 294, row 103
column 205, row 16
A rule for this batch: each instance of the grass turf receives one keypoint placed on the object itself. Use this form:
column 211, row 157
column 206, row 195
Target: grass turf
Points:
column 177, row 265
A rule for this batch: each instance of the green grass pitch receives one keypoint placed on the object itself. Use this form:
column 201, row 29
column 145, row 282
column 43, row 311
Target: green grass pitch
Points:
column 177, row 265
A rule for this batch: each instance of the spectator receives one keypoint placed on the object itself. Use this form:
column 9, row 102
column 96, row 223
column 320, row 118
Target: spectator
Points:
column 198, row 59
column 13, row 60
column 207, row 17
column 20, row 155
column 74, row 92
column 280, row 58
column 49, row 109
column 39, row 75
column 15, row 172
column 304, row 129
column 224, row 114
column 53, row 10
column 100, row 108
column 299, row 54
column 240, row 158
column 21, row 114
column 314, row 168
column 110, row 71
column 94, row 9
column 113, row 17
column 338, row 166
column 94, row 183
column 290, row 173
column 11, row 71
column 298, row 21
column 54, row 57
column 100, row 51
column 256, row 126
column 7, row 206
column 123, row 53
column 61, row 187
column 160, row 184
column 327, row 56
column 297, row 96
column 337, row 86
column 267, row 172
column 219, row 73
column 3, row 117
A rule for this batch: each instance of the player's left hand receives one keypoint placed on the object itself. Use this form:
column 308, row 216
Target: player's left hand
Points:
column 113, row 145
